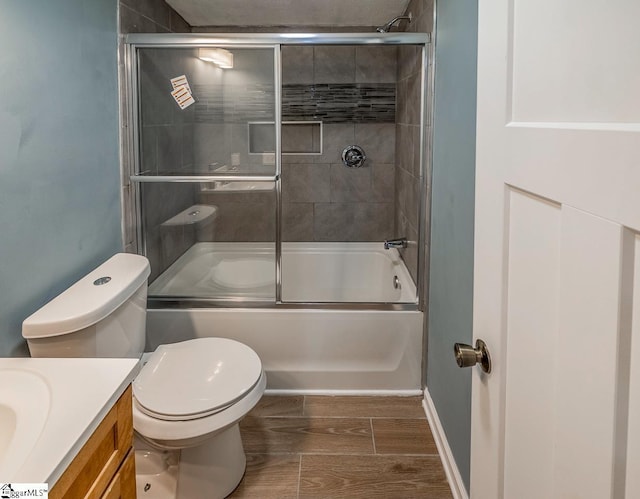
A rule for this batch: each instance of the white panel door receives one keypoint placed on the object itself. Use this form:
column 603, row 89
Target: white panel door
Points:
column 557, row 250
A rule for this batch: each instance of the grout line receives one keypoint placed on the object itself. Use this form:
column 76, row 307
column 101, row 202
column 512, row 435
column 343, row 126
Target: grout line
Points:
column 404, row 418
column 290, row 416
column 339, row 453
column 349, row 454
column 299, row 474
column 373, row 438
column 149, row 18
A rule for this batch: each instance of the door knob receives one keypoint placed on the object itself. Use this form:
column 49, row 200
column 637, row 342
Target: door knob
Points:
column 467, row 356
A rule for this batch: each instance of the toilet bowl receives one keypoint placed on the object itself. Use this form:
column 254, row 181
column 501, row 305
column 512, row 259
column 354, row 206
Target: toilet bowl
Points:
column 188, row 396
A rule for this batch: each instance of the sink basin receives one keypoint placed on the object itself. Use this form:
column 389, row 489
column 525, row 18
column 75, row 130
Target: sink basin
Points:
column 22, row 418
column 49, row 408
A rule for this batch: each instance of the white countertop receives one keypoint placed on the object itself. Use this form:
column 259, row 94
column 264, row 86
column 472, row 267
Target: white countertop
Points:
column 82, row 391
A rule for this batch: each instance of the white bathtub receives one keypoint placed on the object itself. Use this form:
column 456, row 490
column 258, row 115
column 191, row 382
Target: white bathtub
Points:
column 303, row 350
column 311, row 272
column 310, row 350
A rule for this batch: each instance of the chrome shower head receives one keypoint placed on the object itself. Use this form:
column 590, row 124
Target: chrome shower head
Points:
column 385, row 28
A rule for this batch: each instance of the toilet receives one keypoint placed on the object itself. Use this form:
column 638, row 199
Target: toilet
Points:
column 188, row 396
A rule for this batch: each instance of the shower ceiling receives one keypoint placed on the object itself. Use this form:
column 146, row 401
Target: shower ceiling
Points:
column 288, row 12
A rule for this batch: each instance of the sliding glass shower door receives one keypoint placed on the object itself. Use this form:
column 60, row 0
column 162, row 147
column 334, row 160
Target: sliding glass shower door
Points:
column 207, row 169
column 284, row 169
column 351, row 176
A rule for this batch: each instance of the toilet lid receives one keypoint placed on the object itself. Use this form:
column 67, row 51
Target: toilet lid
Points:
column 194, row 378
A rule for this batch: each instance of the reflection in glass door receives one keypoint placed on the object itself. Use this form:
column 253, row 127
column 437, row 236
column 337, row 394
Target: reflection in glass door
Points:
column 207, row 178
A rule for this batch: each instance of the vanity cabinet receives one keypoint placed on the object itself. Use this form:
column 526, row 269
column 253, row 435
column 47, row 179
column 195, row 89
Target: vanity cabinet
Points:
column 123, row 485
column 105, row 466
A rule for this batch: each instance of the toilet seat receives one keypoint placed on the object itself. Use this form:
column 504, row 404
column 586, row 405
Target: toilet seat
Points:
column 166, row 434
column 195, row 378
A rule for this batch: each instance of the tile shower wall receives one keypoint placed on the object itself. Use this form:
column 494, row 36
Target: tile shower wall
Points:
column 354, row 89
column 322, row 200
column 227, row 100
column 150, row 16
column 166, row 143
column 165, row 133
column 408, row 182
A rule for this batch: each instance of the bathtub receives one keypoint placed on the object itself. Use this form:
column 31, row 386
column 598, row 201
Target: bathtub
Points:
column 303, row 350
column 311, row 272
column 311, row 350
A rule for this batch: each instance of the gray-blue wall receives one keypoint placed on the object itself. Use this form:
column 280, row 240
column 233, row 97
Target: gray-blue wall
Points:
column 451, row 269
column 59, row 173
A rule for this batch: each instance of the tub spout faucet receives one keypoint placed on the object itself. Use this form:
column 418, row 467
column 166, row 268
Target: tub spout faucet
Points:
column 401, row 242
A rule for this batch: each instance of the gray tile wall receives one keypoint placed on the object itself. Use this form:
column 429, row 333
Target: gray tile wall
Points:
column 224, row 107
column 422, row 12
column 408, row 182
column 246, row 217
column 150, row 16
column 322, row 200
column 338, row 64
column 166, row 134
column 225, row 102
column 166, row 142
column 163, row 143
column 160, row 202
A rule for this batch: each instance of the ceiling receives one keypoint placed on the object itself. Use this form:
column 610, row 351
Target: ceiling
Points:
column 288, row 12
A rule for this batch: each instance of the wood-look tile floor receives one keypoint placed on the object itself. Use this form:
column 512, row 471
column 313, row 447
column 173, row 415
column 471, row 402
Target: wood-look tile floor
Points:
column 340, row 447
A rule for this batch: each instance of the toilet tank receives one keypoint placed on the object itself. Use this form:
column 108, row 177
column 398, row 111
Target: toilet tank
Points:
column 101, row 315
column 198, row 220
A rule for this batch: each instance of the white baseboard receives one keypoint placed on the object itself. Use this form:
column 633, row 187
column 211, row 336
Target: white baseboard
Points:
column 328, row 392
column 448, row 462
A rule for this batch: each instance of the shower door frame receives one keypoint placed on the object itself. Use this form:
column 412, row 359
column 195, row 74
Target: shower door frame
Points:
column 275, row 41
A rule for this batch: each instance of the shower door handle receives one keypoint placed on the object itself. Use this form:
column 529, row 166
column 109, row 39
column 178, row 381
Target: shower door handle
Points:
column 467, row 356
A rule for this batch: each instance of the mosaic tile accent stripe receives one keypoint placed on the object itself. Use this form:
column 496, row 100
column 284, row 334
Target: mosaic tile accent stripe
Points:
column 340, row 103
column 330, row 103
column 234, row 104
